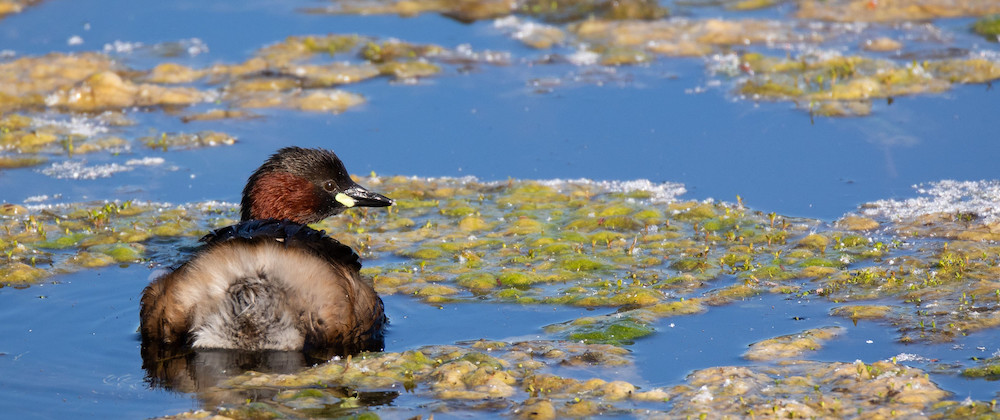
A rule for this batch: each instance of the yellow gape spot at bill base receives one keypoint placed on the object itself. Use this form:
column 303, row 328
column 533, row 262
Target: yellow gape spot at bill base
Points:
column 344, row 199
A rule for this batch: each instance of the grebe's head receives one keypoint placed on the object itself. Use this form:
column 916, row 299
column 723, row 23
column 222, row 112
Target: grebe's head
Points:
column 304, row 186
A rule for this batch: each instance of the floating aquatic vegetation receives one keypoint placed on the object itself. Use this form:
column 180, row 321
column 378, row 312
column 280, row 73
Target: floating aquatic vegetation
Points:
column 628, row 246
column 792, row 345
column 988, row 27
column 807, row 390
column 605, row 330
column 278, row 77
column 533, row 34
column 464, row 10
column 988, row 368
column 951, row 284
column 882, row 44
column 80, row 82
column 685, row 37
column 287, row 58
column 219, row 114
column 632, row 248
column 892, row 10
column 473, row 10
column 295, row 48
column 322, row 100
column 53, row 239
column 845, row 86
column 25, row 82
column 852, row 222
column 856, row 312
column 824, row 83
column 459, row 376
column 976, row 200
column 185, row 141
column 576, row 10
column 518, row 379
column 393, row 50
column 9, row 7
column 10, row 162
column 107, row 90
column 26, row 141
column 173, row 73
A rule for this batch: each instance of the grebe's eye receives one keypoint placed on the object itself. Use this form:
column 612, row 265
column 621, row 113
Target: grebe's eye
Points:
column 329, row 186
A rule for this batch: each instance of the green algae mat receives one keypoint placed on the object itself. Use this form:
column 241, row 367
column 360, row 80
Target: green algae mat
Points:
column 635, row 248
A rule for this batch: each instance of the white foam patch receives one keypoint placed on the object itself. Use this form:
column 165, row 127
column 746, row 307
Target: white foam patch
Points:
column 661, row 192
column 213, row 205
column 37, row 198
column 146, row 161
column 464, row 52
column 910, row 357
column 194, row 46
column 519, row 28
column 78, row 126
column 725, row 64
column 583, row 58
column 63, row 206
column 121, row 47
column 191, row 46
column 981, row 198
column 703, row 396
column 78, row 169
column 986, row 54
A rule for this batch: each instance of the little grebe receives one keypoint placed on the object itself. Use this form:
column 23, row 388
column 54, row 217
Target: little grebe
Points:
column 270, row 282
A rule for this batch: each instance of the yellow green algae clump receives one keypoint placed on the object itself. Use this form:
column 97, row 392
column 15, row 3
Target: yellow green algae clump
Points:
column 27, row 141
column 807, row 390
column 791, row 345
column 290, row 74
column 614, row 247
column 36, row 244
column 856, row 312
column 892, row 10
column 637, row 251
column 825, row 83
column 167, row 141
column 518, row 379
column 988, row 27
column 844, row 86
column 9, row 7
column 473, row 10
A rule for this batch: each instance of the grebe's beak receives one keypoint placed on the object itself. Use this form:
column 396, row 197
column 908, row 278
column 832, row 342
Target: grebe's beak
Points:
column 357, row 196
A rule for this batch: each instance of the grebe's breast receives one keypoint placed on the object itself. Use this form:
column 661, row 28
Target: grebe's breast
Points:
column 266, row 285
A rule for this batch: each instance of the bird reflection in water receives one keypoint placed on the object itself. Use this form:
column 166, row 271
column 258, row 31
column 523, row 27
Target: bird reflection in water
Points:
column 205, row 372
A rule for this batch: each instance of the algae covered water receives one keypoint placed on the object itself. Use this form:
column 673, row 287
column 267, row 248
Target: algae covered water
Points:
column 620, row 208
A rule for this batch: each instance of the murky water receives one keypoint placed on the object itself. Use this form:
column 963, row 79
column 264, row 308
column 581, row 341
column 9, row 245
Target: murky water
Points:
column 69, row 346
